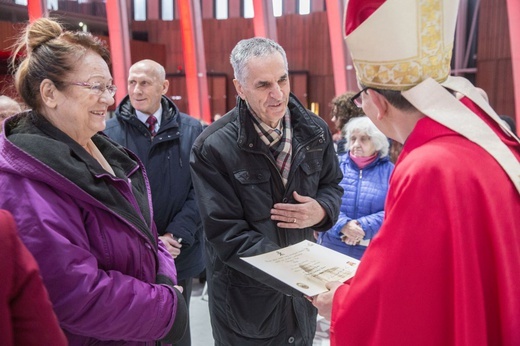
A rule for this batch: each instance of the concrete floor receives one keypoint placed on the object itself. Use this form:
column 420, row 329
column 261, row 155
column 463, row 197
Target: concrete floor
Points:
column 201, row 334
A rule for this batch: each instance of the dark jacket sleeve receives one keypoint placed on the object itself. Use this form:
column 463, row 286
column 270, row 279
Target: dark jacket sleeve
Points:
column 187, row 221
column 180, row 324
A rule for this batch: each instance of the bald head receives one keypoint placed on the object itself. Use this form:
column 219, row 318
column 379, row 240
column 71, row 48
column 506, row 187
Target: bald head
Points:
column 153, row 67
column 147, row 84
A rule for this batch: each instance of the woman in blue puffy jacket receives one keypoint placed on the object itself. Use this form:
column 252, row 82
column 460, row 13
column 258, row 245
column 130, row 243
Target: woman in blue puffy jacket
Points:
column 366, row 170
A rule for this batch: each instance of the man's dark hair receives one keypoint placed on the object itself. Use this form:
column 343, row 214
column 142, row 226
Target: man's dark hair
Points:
column 396, row 99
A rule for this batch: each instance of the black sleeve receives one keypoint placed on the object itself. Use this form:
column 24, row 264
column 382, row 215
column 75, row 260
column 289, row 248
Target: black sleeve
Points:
column 181, row 321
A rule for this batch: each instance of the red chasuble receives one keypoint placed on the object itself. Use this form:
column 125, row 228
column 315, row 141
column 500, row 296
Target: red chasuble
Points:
column 26, row 315
column 445, row 267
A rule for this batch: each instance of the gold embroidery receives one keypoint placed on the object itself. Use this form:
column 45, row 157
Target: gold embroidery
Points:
column 433, row 59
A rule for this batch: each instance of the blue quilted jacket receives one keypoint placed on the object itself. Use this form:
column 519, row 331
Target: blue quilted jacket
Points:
column 363, row 200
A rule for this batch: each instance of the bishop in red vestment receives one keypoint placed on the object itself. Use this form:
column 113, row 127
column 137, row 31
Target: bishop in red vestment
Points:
column 444, row 268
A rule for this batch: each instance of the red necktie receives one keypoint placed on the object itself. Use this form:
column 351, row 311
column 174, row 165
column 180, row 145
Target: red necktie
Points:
column 151, row 121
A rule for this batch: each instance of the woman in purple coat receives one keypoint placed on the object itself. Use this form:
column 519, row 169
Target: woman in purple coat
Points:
column 81, row 202
column 366, row 170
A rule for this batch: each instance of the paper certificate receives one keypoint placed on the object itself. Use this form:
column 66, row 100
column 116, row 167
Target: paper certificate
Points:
column 306, row 266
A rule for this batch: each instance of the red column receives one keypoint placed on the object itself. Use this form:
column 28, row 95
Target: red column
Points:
column 208, row 8
column 194, row 59
column 234, row 8
column 37, row 9
column 289, row 7
column 335, row 13
column 264, row 21
column 317, row 5
column 513, row 11
column 118, row 34
column 152, row 9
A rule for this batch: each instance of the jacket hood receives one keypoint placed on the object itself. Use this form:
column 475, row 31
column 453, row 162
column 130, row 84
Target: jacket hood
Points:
column 24, row 152
column 17, row 161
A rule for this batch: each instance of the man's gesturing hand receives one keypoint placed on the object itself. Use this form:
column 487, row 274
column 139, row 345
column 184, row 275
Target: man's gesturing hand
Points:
column 306, row 213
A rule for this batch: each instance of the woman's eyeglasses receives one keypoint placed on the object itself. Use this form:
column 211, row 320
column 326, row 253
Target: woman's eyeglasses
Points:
column 96, row 88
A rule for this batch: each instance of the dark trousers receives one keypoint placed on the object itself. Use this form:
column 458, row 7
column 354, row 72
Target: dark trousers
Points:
column 186, row 285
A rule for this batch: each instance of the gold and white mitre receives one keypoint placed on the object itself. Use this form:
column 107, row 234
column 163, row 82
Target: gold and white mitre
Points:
column 402, row 42
column 406, row 45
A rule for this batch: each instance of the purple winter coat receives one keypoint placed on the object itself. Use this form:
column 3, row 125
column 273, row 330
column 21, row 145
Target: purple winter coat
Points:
column 109, row 278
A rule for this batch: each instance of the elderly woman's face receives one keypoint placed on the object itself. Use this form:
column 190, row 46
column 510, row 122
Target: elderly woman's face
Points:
column 361, row 144
column 82, row 109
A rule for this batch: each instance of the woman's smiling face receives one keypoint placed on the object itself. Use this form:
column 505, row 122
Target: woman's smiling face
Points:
column 81, row 111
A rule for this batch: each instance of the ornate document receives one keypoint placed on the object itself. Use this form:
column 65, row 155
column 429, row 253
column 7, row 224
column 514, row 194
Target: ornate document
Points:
column 306, row 266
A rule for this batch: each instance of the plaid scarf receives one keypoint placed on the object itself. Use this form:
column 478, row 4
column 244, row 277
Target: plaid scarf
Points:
column 279, row 141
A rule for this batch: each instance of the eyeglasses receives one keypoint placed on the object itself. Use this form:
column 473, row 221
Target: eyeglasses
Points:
column 356, row 100
column 96, row 88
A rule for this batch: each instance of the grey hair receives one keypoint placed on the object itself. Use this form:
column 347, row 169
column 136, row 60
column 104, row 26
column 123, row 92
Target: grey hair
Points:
column 250, row 48
column 365, row 125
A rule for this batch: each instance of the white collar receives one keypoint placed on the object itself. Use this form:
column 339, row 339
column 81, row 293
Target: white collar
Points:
column 158, row 115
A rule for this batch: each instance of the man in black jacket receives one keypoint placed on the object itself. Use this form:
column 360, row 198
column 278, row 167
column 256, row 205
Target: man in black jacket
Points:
column 266, row 176
column 151, row 125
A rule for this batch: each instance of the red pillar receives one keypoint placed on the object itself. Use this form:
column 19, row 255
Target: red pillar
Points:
column 194, row 59
column 118, row 32
column 234, row 8
column 264, row 21
column 513, row 11
column 208, row 9
column 317, row 5
column 152, row 9
column 37, row 9
column 335, row 14
column 289, row 7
